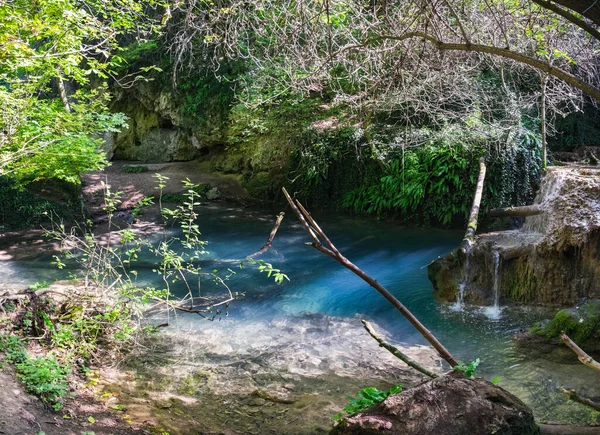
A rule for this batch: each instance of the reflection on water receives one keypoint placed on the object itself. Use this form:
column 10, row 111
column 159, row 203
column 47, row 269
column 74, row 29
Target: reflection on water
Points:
column 310, row 326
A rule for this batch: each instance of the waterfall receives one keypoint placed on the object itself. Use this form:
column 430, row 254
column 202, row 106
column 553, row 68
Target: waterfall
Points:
column 550, row 190
column 463, row 283
column 493, row 312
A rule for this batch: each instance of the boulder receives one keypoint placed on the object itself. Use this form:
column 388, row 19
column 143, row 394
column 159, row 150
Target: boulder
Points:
column 448, row 405
column 213, row 194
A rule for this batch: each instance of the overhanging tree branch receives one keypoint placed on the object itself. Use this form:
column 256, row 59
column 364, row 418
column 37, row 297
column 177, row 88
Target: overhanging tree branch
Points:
column 587, row 8
column 582, row 24
column 504, row 53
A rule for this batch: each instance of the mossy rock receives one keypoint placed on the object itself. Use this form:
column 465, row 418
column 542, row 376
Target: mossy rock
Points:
column 263, row 185
column 134, row 169
column 441, row 273
column 581, row 324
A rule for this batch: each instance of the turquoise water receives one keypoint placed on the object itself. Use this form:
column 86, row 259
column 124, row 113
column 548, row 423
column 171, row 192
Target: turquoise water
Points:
column 311, row 324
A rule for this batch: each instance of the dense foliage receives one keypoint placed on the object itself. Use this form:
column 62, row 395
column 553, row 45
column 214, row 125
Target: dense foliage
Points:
column 56, row 58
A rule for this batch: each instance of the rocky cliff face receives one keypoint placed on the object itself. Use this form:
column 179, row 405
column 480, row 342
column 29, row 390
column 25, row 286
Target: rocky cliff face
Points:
column 157, row 131
column 553, row 260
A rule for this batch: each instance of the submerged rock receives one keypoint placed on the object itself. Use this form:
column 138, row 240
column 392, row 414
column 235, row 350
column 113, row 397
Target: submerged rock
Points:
column 213, row 194
column 447, row 405
column 553, row 260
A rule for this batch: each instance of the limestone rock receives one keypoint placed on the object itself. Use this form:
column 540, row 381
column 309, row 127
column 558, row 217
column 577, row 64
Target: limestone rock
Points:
column 213, row 194
column 553, row 260
column 449, row 405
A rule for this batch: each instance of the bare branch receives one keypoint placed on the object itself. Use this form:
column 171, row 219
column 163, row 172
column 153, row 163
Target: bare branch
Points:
column 332, row 251
column 267, row 245
column 396, row 352
column 572, row 395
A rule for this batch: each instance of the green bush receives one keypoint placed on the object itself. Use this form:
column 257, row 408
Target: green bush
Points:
column 13, row 348
column 435, row 182
column 46, row 378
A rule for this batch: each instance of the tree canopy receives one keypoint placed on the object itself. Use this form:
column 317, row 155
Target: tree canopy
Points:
column 56, row 59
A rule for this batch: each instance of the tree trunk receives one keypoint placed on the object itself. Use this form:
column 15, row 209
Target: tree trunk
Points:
column 472, row 224
column 526, row 210
column 544, row 78
column 63, row 93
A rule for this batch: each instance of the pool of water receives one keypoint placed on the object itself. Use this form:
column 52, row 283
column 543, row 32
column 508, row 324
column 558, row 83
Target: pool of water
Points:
column 310, row 326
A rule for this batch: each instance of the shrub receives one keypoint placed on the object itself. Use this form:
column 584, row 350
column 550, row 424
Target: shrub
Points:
column 46, row 378
column 13, row 348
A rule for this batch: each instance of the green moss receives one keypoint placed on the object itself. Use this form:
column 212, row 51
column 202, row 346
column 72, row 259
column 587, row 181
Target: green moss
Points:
column 521, row 283
column 581, row 324
column 263, row 185
column 134, row 169
column 190, row 385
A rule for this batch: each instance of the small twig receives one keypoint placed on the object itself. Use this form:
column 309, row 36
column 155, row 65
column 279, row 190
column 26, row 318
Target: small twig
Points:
column 267, row 245
column 581, row 355
column 397, row 352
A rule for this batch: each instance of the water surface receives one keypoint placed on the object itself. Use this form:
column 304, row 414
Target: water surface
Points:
column 308, row 331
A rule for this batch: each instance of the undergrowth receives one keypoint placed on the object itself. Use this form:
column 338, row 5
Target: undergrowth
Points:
column 45, row 377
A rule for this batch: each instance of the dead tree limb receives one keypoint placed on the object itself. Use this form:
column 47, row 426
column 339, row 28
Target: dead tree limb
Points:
column 472, row 224
column 267, row 245
column 583, row 357
column 396, row 352
column 526, row 210
column 322, row 244
column 572, row 395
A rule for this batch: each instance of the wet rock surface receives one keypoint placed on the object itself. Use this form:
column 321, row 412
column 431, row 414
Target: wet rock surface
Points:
column 254, row 383
column 447, row 405
column 553, row 260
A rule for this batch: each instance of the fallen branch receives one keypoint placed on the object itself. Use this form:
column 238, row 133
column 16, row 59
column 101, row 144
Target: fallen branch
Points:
column 267, row 245
column 317, row 234
column 527, row 210
column 581, row 355
column 572, row 395
column 472, row 223
column 397, row 352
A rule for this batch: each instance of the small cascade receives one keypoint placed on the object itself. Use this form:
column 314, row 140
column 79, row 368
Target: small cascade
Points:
column 550, row 189
column 458, row 305
column 494, row 311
